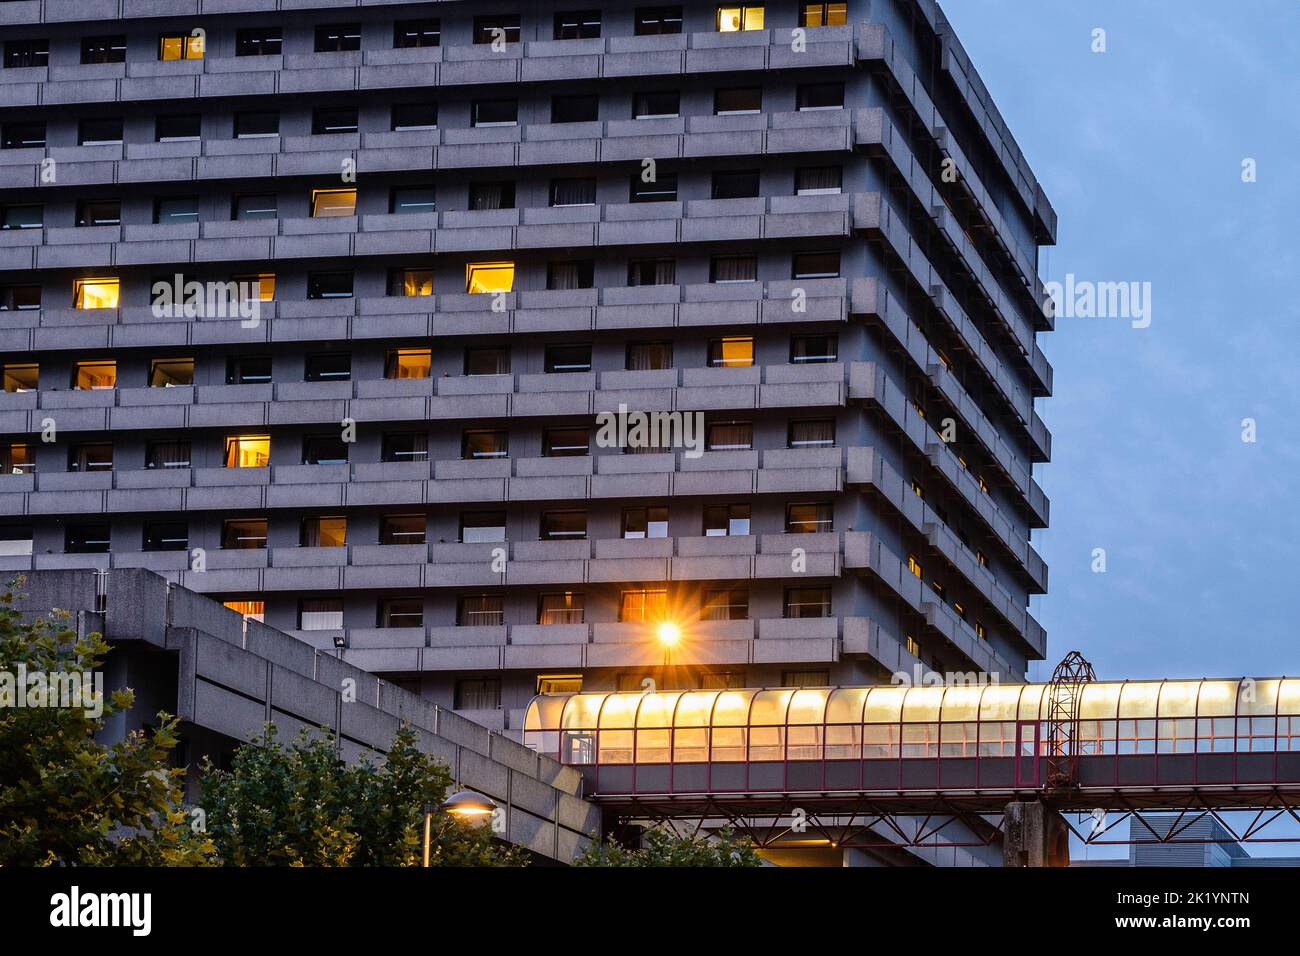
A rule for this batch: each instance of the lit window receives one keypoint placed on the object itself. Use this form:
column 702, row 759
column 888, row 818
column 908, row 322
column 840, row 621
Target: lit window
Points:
column 408, row 363
column 259, row 286
column 333, row 202
column 559, row 683
column 489, row 277
column 410, row 282
column 823, row 14
column 729, row 436
column 732, row 351
column 21, row 378
column 87, row 375
column 95, row 293
column 166, row 373
column 913, row 647
column 248, row 451
column 914, row 566
column 181, row 46
column 17, row 459
column 809, row 518
column 733, row 19
column 251, row 610
column 324, row 532
column 643, row 604
column 566, row 607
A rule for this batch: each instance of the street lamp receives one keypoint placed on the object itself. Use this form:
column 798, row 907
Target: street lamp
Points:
column 469, row 806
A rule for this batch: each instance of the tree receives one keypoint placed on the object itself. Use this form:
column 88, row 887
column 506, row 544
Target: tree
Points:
column 64, row 797
column 667, row 848
column 302, row 805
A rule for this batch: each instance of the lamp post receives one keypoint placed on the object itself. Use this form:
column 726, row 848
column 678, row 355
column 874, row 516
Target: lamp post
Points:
column 469, row 806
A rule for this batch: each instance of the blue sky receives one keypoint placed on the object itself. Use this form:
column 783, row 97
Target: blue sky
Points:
column 1140, row 149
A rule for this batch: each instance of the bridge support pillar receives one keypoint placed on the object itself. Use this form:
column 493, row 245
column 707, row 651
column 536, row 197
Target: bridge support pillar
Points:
column 1034, row 835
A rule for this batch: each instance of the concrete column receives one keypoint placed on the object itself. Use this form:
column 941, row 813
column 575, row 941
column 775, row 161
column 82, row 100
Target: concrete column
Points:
column 1034, row 835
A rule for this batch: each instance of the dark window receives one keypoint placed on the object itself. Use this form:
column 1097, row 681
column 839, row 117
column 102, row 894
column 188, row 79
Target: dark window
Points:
column 722, row 521
column 100, row 132
column 338, row 38
column 324, row 450
column 109, row 49
column 414, row 116
column 409, row 282
column 243, row 534
column 402, row 529
column 329, row 285
column 480, row 610
column 90, row 457
column 821, row 96
column 412, row 199
column 497, row 28
column 176, row 210
column 725, row 604
column 816, row 433
column 809, row 518
column 641, row 523
column 328, row 367
column 258, row 41
column 563, row 526
column 815, row 265
column 99, row 212
column 663, row 188
column 86, row 538
column 180, row 128
column 654, row 21
column 257, row 124
column 729, row 436
column 255, row 206
column 744, row 99
column 19, row 298
column 487, row 361
column 571, row 274
column 478, row 693
column 806, row 679
column 320, row 614
column 735, row 184
column 818, row 180
column 722, row 680
column 480, row 527
column 574, row 192
column 652, row 272
column 167, row 454
column 581, row 108
column 566, row 442
column 248, row 369
column 496, row 195
column 656, row 105
column 724, row 269
column 583, row 25
column 22, row 136
column 808, row 602
column 814, row 349
column 568, row 358
column 327, row 121
column 25, row 53
column 171, row 372
column 494, row 113
column 400, row 612
column 166, row 536
column 408, row 34
column 405, row 446
column 478, row 444
column 646, row 356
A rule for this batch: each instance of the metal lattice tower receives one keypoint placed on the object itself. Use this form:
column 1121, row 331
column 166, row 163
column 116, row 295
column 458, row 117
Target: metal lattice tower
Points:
column 1064, row 694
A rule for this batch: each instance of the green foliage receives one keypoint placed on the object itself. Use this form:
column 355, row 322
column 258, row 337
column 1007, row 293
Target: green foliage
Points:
column 302, row 805
column 665, row 848
column 66, row 799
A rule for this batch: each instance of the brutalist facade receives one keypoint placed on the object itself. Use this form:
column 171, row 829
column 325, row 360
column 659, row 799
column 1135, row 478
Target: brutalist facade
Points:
column 320, row 309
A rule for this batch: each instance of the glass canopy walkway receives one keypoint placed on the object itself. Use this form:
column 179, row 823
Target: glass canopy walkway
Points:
column 1140, row 735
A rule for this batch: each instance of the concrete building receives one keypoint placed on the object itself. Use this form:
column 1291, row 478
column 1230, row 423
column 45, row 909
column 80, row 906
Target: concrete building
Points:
column 463, row 236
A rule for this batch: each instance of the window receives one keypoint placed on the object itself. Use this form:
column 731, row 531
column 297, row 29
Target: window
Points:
column 741, row 17
column 568, row 358
column 257, row 124
column 809, row 518
column 24, row 216
column 242, row 534
column 913, row 647
column 170, row 372
column 248, row 369
column 489, row 277
column 574, row 192
column 738, row 100
column 17, row 458
column 166, row 536
column 323, row 531
column 327, row 367
column 643, row 605
column 566, row 442
column 504, row 28
column 15, row 541
column 807, row 602
column 408, row 363
column 729, row 436
column 181, row 46
column 20, row 54
column 723, row 521
column 735, row 184
column 22, row 136
column 813, row 349
column 818, row 180
column 410, row 282
column 580, row 108
column 327, row 122
column 320, row 614
column 400, row 612
column 657, row 21
column 255, row 286
column 725, row 604
column 566, row 607
column 583, row 25
column 478, row 693
column 410, row 34
column 731, row 269
column 659, row 105
column 570, row 274
column 914, row 567
column 478, row 444
column 823, row 14
column 494, row 195
column 21, row 377
column 248, row 610
column 333, row 202
column 19, row 298
column 563, row 526
column 816, row 433
column 180, row 128
column 820, row 96
column 641, row 523
column 721, row 680
column 410, row 200
column 805, row 678
column 480, row 610
column 99, row 212
column 559, row 683
column 663, row 188
column 732, row 351
column 248, row 451
column 494, row 113
column 645, row 356
column 402, row 529
column 324, row 450
column 99, row 132
column 94, row 375
column 482, row 527
column 91, row 456
column 177, row 210
column 414, row 116
column 405, row 446
column 109, row 49
column 816, row 265
column 167, row 454
column 338, row 38
column 258, row 41
column 329, row 285
column 86, row 538
column 487, row 361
